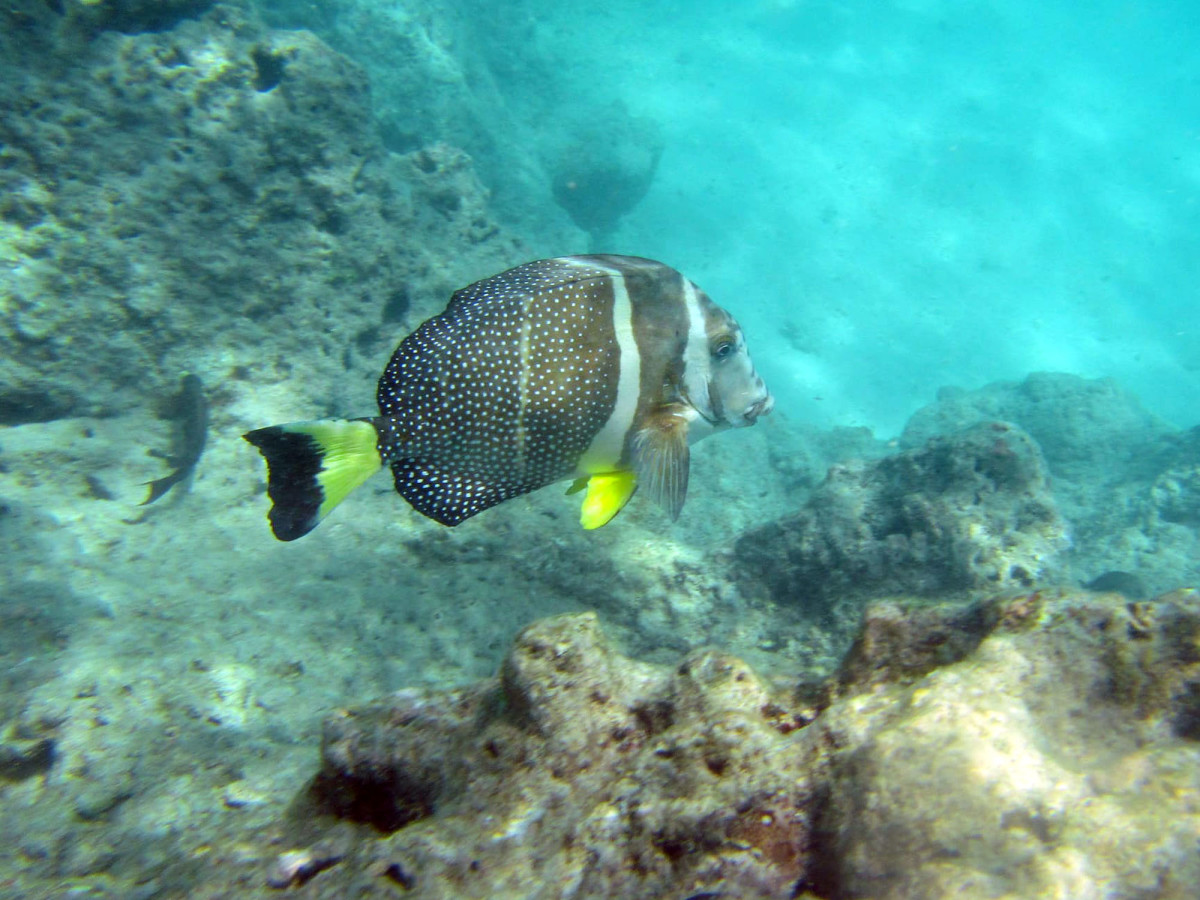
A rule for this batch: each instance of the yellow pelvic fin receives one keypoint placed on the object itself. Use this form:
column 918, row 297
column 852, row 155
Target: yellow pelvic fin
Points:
column 607, row 494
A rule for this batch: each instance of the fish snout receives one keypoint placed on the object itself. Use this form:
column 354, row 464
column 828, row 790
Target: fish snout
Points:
column 758, row 408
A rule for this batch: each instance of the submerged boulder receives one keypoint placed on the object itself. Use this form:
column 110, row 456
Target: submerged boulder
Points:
column 605, row 168
column 964, row 512
column 1033, row 744
column 211, row 196
column 578, row 772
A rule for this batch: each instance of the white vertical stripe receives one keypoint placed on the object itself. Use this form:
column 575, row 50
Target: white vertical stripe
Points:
column 604, row 452
column 696, row 363
column 695, row 354
column 697, row 366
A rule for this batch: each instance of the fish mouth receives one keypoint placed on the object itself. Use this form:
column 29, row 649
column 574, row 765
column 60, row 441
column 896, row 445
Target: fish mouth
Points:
column 758, row 408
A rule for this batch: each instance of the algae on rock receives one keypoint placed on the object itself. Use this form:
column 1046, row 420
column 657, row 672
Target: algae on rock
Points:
column 210, row 197
column 1051, row 751
column 963, row 512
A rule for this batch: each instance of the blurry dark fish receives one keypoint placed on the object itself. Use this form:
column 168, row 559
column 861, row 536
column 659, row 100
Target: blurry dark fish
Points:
column 597, row 368
column 190, row 410
column 1117, row 582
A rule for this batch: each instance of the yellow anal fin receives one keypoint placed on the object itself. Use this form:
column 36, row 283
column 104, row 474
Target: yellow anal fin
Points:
column 607, row 494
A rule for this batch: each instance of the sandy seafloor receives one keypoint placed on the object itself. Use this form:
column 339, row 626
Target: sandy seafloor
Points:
column 890, row 201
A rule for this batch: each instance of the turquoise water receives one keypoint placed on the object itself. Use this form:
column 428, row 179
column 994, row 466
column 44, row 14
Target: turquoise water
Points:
column 922, row 193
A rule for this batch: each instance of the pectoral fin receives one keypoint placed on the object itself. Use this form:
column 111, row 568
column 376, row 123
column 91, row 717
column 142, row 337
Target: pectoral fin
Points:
column 661, row 460
column 607, row 493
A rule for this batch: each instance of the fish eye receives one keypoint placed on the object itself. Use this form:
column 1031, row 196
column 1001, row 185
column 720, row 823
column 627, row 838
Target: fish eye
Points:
column 723, row 349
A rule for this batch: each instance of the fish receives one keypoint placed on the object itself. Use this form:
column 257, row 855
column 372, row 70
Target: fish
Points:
column 1118, row 582
column 190, row 410
column 600, row 369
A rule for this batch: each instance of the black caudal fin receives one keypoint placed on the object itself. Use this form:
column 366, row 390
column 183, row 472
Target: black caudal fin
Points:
column 312, row 467
column 162, row 485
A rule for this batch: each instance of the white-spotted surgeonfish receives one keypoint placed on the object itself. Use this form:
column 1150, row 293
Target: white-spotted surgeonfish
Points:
column 598, row 368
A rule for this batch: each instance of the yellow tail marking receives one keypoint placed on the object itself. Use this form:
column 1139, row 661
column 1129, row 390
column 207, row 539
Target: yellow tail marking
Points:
column 349, row 456
column 607, row 493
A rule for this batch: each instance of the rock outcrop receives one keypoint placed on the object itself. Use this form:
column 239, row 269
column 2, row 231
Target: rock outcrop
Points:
column 1056, row 759
column 971, row 511
column 1090, row 429
column 579, row 772
column 1019, row 745
column 1123, row 479
column 202, row 193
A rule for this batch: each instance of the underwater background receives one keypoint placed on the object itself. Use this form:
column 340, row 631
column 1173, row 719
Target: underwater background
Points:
column 927, row 630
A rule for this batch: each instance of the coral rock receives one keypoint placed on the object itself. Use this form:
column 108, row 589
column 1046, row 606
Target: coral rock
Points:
column 1053, row 761
column 963, row 512
column 1027, row 744
column 580, row 771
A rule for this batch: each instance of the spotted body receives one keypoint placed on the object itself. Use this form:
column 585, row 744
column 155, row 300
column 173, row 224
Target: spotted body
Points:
column 597, row 368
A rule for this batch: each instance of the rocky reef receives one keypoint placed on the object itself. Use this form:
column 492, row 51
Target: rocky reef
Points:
column 964, row 511
column 1121, row 477
column 1022, row 744
column 159, row 183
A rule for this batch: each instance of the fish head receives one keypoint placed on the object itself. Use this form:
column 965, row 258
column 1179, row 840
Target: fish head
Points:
column 720, row 381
